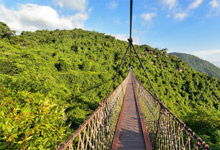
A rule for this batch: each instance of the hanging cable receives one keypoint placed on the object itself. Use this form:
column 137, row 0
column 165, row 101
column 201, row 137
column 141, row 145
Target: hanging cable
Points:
column 130, row 39
column 107, row 94
column 131, row 11
column 131, row 45
column 145, row 71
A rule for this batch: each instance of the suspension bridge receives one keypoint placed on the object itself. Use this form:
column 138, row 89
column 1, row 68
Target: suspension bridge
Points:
column 132, row 118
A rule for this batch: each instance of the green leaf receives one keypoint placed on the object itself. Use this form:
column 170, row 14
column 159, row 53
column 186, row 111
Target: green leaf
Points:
column 2, row 147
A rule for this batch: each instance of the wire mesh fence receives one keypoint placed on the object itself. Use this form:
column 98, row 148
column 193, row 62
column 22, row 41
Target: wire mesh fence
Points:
column 97, row 132
column 166, row 131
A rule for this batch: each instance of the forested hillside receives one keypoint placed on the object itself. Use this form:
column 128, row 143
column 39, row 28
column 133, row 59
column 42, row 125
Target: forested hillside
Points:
column 199, row 65
column 52, row 80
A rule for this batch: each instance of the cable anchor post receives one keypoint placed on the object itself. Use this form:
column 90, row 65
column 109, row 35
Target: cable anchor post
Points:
column 130, row 40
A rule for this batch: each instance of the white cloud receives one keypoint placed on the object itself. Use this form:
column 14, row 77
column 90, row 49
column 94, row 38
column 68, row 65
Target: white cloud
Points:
column 214, row 59
column 79, row 5
column 195, row 4
column 215, row 7
column 112, row 5
column 208, row 52
column 216, row 63
column 136, row 40
column 181, row 16
column 148, row 16
column 186, row 12
column 124, row 37
column 170, row 3
column 214, row 4
column 31, row 17
column 90, row 10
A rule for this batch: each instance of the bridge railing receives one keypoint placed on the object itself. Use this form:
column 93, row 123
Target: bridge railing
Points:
column 166, row 131
column 97, row 131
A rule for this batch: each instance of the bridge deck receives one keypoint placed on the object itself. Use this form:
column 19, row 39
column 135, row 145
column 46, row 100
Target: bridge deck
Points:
column 129, row 134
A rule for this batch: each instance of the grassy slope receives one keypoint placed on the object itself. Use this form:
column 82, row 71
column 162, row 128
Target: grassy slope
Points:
column 199, row 65
column 74, row 68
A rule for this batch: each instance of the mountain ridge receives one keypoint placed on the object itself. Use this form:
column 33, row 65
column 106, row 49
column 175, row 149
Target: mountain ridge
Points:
column 199, row 64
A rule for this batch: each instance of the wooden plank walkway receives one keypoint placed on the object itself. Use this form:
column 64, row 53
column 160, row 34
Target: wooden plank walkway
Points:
column 129, row 134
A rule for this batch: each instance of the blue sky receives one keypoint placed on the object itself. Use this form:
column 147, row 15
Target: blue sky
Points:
column 187, row 26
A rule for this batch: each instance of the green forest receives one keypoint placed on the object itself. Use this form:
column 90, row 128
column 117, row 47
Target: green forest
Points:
column 51, row 81
column 199, row 65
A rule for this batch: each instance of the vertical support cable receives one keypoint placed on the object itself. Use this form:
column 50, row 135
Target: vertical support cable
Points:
column 130, row 55
column 145, row 71
column 107, row 94
column 131, row 45
column 131, row 9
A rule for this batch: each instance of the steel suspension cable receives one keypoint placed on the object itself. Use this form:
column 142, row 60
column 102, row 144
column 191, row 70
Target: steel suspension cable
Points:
column 131, row 11
column 145, row 71
column 131, row 44
column 107, row 94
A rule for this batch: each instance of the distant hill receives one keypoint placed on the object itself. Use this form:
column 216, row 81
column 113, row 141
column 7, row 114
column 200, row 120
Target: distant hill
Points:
column 199, row 65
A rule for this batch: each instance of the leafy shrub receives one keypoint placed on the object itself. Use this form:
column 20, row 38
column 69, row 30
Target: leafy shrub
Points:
column 29, row 121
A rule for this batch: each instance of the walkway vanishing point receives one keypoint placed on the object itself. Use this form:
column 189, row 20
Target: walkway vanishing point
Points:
column 133, row 118
column 131, row 133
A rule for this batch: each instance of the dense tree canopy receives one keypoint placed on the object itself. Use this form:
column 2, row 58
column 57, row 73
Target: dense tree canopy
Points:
column 68, row 72
column 200, row 65
column 5, row 31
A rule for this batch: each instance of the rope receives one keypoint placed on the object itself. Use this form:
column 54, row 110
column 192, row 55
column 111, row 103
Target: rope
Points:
column 167, row 133
column 129, row 45
column 145, row 71
column 98, row 130
column 106, row 97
